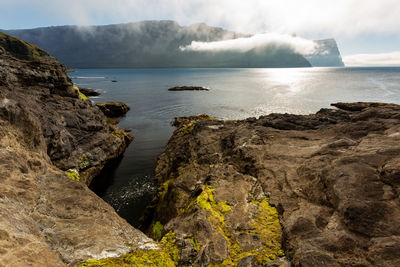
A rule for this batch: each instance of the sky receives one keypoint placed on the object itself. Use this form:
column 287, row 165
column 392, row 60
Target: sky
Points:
column 367, row 31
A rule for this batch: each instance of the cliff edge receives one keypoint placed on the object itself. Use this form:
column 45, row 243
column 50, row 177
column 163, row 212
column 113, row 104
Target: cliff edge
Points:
column 283, row 190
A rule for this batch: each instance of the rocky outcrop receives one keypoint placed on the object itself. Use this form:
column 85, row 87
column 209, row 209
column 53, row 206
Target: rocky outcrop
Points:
column 47, row 216
column 188, row 88
column 113, row 109
column 89, row 92
column 78, row 136
column 281, row 190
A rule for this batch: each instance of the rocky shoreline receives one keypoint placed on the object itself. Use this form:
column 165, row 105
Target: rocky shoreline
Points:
column 53, row 141
column 282, row 190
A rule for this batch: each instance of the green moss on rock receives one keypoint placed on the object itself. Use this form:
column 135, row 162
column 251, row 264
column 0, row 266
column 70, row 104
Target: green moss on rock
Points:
column 157, row 230
column 137, row 258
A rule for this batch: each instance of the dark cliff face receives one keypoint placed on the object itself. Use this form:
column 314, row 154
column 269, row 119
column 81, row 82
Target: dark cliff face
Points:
column 76, row 133
column 150, row 44
column 283, row 190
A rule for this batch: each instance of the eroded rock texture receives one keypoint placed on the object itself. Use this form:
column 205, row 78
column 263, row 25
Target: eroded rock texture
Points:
column 77, row 134
column 333, row 177
column 47, row 218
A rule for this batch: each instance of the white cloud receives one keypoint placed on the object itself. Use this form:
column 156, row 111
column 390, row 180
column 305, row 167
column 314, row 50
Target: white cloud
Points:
column 382, row 59
column 299, row 45
column 306, row 17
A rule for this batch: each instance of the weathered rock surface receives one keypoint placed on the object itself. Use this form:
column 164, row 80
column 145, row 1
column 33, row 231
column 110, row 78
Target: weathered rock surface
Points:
column 89, row 92
column 47, row 217
column 188, row 88
column 76, row 133
column 333, row 177
column 113, row 109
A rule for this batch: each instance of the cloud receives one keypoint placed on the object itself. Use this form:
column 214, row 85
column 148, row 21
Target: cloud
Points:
column 299, row 45
column 382, row 59
column 307, row 17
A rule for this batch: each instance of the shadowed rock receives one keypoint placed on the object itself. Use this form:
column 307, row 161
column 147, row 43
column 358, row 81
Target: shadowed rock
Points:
column 113, row 109
column 89, row 92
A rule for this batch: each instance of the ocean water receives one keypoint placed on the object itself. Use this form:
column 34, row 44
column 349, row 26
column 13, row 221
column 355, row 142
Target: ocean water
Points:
column 234, row 94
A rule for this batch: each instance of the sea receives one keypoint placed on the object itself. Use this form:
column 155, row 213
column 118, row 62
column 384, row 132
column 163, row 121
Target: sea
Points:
column 127, row 183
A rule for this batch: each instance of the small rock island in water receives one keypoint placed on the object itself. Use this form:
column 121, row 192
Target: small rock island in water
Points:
column 188, row 88
column 280, row 190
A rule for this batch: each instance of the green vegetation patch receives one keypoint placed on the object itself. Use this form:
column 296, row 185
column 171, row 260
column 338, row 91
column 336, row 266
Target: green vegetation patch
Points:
column 83, row 161
column 139, row 258
column 157, row 230
column 73, row 174
column 81, row 96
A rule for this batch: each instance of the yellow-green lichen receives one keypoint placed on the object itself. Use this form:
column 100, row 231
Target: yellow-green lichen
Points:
column 81, row 96
column 83, row 161
column 265, row 225
column 73, row 174
column 157, row 230
column 268, row 228
column 195, row 243
column 139, row 258
column 168, row 242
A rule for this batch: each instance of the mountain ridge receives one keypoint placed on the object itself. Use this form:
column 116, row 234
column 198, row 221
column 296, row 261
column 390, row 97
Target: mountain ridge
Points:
column 150, row 44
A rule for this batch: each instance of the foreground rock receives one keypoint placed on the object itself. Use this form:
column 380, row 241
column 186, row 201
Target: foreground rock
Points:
column 315, row 190
column 48, row 217
column 89, row 92
column 188, row 88
column 113, row 109
column 76, row 133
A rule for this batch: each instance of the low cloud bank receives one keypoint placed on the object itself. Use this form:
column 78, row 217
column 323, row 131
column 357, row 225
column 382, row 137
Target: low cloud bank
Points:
column 383, row 59
column 299, row 45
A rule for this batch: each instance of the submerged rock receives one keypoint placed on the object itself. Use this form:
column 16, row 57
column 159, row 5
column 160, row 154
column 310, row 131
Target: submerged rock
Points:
column 113, row 109
column 306, row 190
column 188, row 88
column 48, row 216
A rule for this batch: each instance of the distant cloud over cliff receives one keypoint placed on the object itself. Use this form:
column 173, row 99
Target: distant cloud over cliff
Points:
column 297, row 44
column 382, row 59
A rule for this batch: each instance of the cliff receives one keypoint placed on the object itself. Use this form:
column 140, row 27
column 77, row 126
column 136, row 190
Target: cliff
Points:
column 150, row 44
column 283, row 190
column 77, row 135
column 326, row 55
column 47, row 216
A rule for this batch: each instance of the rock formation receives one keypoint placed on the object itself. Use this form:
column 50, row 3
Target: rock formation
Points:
column 306, row 190
column 188, row 88
column 77, row 135
column 47, row 217
column 113, row 109
column 89, row 92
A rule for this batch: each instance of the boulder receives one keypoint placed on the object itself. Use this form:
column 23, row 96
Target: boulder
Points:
column 89, row 92
column 113, row 109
